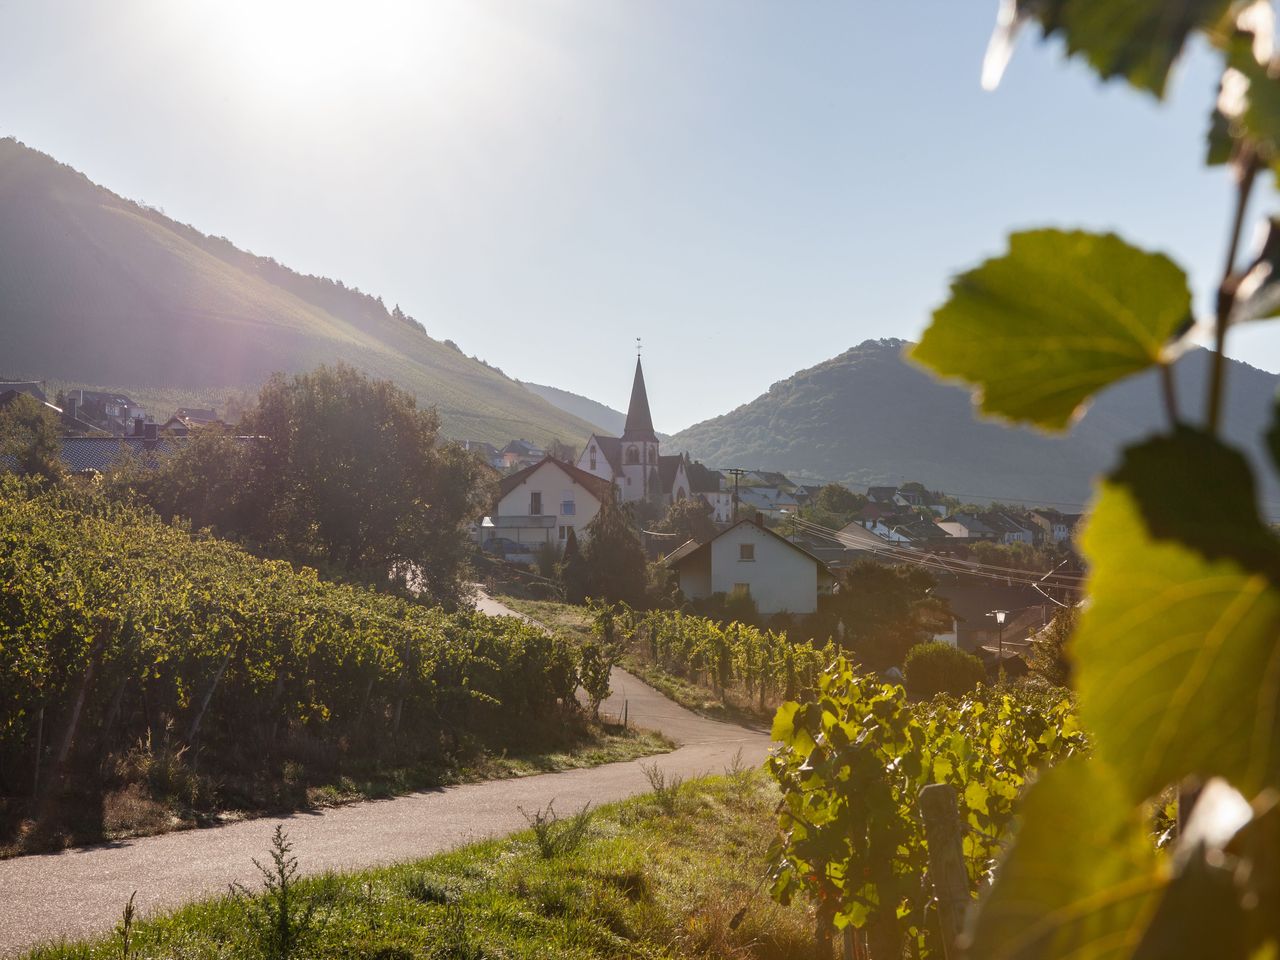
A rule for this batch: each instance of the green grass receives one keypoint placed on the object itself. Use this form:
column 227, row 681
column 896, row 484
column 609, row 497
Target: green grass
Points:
column 641, row 882
column 575, row 622
column 160, row 794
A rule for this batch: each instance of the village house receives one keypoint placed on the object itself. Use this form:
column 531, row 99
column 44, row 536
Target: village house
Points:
column 966, row 526
column 540, row 504
column 780, row 576
column 1009, row 529
column 1055, row 527
column 521, row 453
column 710, row 486
column 115, row 413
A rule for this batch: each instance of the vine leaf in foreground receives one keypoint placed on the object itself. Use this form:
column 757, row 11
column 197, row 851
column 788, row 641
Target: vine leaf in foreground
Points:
column 1136, row 39
column 1082, row 878
column 1178, row 666
column 1059, row 317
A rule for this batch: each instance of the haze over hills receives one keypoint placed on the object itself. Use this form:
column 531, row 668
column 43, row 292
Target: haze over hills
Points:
column 868, row 417
column 606, row 419
column 99, row 290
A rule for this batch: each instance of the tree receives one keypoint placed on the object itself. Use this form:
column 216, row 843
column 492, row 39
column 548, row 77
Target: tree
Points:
column 885, row 611
column 614, row 557
column 837, row 499
column 344, row 473
column 29, row 433
column 559, row 450
column 688, row 519
column 572, row 570
column 1049, row 659
column 932, row 668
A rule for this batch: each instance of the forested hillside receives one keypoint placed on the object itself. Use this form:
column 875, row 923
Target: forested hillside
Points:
column 867, row 417
column 98, row 290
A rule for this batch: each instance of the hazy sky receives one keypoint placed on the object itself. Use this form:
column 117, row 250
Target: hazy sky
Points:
column 751, row 187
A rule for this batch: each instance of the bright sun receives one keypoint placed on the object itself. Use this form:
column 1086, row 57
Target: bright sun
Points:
column 317, row 49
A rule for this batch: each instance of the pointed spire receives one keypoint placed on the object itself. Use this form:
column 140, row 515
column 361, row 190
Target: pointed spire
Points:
column 639, row 424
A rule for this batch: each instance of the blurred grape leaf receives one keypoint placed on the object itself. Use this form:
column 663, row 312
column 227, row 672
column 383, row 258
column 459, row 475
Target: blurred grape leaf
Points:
column 1193, row 489
column 1178, row 669
column 1248, row 105
column 1136, row 39
column 1081, row 879
column 1060, row 316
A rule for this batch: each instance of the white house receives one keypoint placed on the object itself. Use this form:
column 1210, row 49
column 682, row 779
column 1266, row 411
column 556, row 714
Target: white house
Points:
column 541, row 503
column 748, row 558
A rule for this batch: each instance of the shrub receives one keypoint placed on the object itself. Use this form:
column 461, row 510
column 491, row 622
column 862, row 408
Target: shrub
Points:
column 934, row 668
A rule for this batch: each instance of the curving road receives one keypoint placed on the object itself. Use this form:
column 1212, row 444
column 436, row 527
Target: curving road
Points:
column 80, row 893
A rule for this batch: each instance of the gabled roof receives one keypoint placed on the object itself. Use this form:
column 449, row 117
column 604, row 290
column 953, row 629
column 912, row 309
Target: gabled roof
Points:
column 881, row 494
column 598, row 488
column 639, row 425
column 25, row 386
column 196, row 414
column 610, row 447
column 667, row 468
column 522, row 448
column 702, row 479
column 692, row 547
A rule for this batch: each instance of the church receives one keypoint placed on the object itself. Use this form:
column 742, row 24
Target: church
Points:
column 634, row 462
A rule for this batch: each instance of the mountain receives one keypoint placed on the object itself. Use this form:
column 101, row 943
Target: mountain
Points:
column 868, row 417
column 98, row 290
column 605, row 419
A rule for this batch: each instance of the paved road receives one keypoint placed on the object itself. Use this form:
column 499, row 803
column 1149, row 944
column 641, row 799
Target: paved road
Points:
column 79, row 893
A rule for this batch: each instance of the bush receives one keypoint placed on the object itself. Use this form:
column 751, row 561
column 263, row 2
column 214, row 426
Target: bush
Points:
column 934, row 668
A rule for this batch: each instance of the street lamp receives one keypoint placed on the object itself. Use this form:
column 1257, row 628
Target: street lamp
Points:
column 1000, row 616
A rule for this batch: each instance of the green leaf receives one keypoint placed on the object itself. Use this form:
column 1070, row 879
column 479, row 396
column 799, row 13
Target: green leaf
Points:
column 1081, row 879
column 1248, row 104
column 1193, row 489
column 1178, row 666
column 1056, row 319
column 1136, row 39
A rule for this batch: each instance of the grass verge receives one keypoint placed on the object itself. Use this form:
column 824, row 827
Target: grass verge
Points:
column 642, row 878
column 155, row 791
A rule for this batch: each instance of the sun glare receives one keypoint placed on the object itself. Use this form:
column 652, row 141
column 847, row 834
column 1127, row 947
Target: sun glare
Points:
column 306, row 53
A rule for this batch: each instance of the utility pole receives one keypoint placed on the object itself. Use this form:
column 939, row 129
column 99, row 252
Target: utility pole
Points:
column 737, row 473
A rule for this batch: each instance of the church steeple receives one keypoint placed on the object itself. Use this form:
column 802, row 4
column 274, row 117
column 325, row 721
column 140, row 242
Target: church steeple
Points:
column 639, row 425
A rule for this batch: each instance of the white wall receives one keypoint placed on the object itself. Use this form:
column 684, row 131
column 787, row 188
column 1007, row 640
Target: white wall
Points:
column 556, row 486
column 780, row 577
column 592, row 451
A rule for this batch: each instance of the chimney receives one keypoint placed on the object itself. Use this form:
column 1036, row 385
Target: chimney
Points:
column 150, row 430
column 71, row 408
column 139, row 426
column 759, row 519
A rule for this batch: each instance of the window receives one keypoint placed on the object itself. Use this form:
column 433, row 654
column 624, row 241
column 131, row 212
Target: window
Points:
column 593, row 462
column 746, row 551
column 535, row 503
column 742, row 589
column 568, row 508
column 633, row 454
column 564, row 532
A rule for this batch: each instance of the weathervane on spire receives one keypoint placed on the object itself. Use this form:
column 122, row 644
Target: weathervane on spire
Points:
column 637, row 348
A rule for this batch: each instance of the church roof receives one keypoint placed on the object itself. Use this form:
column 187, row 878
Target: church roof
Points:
column 667, row 468
column 610, row 448
column 639, row 425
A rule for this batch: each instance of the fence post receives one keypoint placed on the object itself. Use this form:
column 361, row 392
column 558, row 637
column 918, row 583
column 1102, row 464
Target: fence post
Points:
column 942, row 832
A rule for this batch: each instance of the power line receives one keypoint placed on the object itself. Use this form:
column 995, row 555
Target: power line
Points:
column 932, row 561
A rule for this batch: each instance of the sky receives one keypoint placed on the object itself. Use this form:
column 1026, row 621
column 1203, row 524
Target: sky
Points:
column 750, row 187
